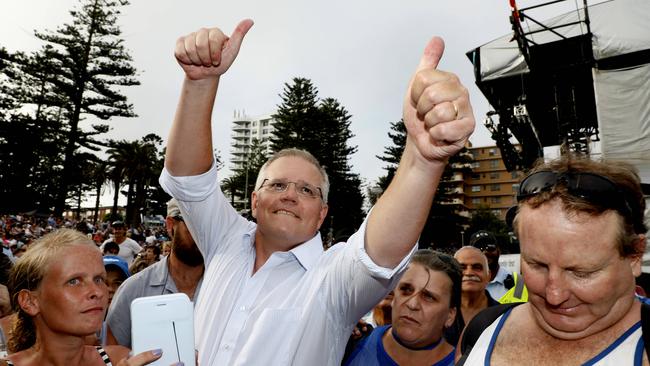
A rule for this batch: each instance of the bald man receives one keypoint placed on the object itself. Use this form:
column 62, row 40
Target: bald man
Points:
column 474, row 294
column 476, row 276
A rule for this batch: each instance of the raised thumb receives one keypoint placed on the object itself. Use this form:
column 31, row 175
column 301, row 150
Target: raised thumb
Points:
column 432, row 54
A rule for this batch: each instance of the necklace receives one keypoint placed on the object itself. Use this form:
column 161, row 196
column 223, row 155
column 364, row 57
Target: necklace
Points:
column 425, row 348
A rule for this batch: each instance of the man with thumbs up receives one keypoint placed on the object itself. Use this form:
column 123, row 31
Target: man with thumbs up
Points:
column 271, row 295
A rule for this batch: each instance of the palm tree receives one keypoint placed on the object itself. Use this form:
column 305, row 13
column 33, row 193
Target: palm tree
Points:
column 118, row 156
column 135, row 163
column 100, row 176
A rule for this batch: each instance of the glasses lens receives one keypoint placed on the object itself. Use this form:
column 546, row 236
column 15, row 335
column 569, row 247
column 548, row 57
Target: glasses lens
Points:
column 536, row 183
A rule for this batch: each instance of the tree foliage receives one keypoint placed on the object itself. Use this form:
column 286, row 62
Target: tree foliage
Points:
column 77, row 74
column 137, row 165
column 322, row 127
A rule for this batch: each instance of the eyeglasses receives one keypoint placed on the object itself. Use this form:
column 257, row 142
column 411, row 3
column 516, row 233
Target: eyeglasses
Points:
column 593, row 188
column 179, row 218
column 302, row 188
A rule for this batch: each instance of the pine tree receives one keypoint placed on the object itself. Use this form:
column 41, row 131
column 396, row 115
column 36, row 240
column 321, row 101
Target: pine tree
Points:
column 322, row 127
column 81, row 68
column 29, row 142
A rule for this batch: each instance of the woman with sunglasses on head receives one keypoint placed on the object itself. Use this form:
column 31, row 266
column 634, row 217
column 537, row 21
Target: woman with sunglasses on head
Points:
column 580, row 225
column 58, row 291
column 425, row 303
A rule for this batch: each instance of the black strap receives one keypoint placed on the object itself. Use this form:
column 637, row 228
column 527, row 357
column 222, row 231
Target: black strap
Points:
column 478, row 324
column 645, row 327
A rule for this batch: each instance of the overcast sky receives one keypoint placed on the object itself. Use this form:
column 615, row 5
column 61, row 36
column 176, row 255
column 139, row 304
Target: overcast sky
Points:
column 360, row 52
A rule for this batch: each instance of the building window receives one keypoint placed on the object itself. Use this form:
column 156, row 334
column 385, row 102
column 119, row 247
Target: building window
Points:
column 514, row 175
column 515, row 187
column 476, row 165
column 492, row 152
column 495, row 187
column 476, row 188
column 254, row 123
column 494, row 175
column 495, row 199
column 476, row 176
column 494, row 164
column 497, row 212
column 265, row 131
column 475, row 153
column 265, row 123
column 476, row 201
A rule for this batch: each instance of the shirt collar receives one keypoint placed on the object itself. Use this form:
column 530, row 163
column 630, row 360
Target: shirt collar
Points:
column 308, row 252
column 158, row 272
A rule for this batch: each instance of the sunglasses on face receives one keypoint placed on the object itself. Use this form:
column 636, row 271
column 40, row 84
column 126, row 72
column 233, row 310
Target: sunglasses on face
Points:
column 593, row 188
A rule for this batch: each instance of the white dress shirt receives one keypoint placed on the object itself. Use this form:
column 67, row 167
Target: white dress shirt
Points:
column 299, row 308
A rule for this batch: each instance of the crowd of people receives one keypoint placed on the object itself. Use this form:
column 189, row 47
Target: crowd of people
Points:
column 267, row 292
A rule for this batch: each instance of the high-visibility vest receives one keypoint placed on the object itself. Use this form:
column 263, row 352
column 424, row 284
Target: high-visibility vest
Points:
column 518, row 292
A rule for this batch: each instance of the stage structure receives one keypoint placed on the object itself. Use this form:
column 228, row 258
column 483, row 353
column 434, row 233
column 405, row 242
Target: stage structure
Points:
column 576, row 78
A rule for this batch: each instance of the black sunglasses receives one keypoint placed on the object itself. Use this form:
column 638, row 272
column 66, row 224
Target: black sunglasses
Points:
column 593, row 188
column 179, row 218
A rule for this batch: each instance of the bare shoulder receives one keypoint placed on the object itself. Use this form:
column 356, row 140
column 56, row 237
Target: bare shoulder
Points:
column 117, row 353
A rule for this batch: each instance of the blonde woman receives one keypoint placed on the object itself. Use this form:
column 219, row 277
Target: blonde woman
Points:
column 59, row 294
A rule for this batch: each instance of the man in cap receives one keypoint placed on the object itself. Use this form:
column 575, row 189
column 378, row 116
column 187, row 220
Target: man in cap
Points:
column 181, row 271
column 129, row 248
column 117, row 271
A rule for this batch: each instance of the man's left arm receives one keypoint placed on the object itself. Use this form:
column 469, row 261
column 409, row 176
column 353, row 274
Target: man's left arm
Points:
column 439, row 120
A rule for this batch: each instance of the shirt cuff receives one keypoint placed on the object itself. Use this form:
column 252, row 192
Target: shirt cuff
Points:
column 358, row 241
column 192, row 188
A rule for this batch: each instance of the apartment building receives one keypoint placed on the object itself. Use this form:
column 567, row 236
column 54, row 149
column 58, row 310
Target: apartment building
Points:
column 244, row 129
column 490, row 184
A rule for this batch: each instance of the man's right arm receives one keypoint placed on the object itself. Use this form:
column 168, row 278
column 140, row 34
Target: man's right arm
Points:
column 204, row 56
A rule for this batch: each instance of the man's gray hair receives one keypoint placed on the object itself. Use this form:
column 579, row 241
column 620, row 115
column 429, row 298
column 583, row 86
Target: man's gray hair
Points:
column 303, row 154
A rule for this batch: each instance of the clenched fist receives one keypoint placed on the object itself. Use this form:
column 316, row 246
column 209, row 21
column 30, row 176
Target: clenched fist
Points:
column 208, row 53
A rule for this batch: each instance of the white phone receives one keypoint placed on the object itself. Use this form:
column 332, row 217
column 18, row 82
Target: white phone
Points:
column 164, row 322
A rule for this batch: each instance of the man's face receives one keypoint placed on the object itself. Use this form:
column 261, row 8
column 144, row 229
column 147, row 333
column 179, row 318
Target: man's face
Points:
column 119, row 232
column 286, row 219
column 421, row 306
column 114, row 278
column 476, row 275
column 149, row 254
column 578, row 284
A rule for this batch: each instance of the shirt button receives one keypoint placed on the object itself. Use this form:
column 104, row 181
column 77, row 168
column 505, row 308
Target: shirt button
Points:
column 226, row 347
column 243, row 308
